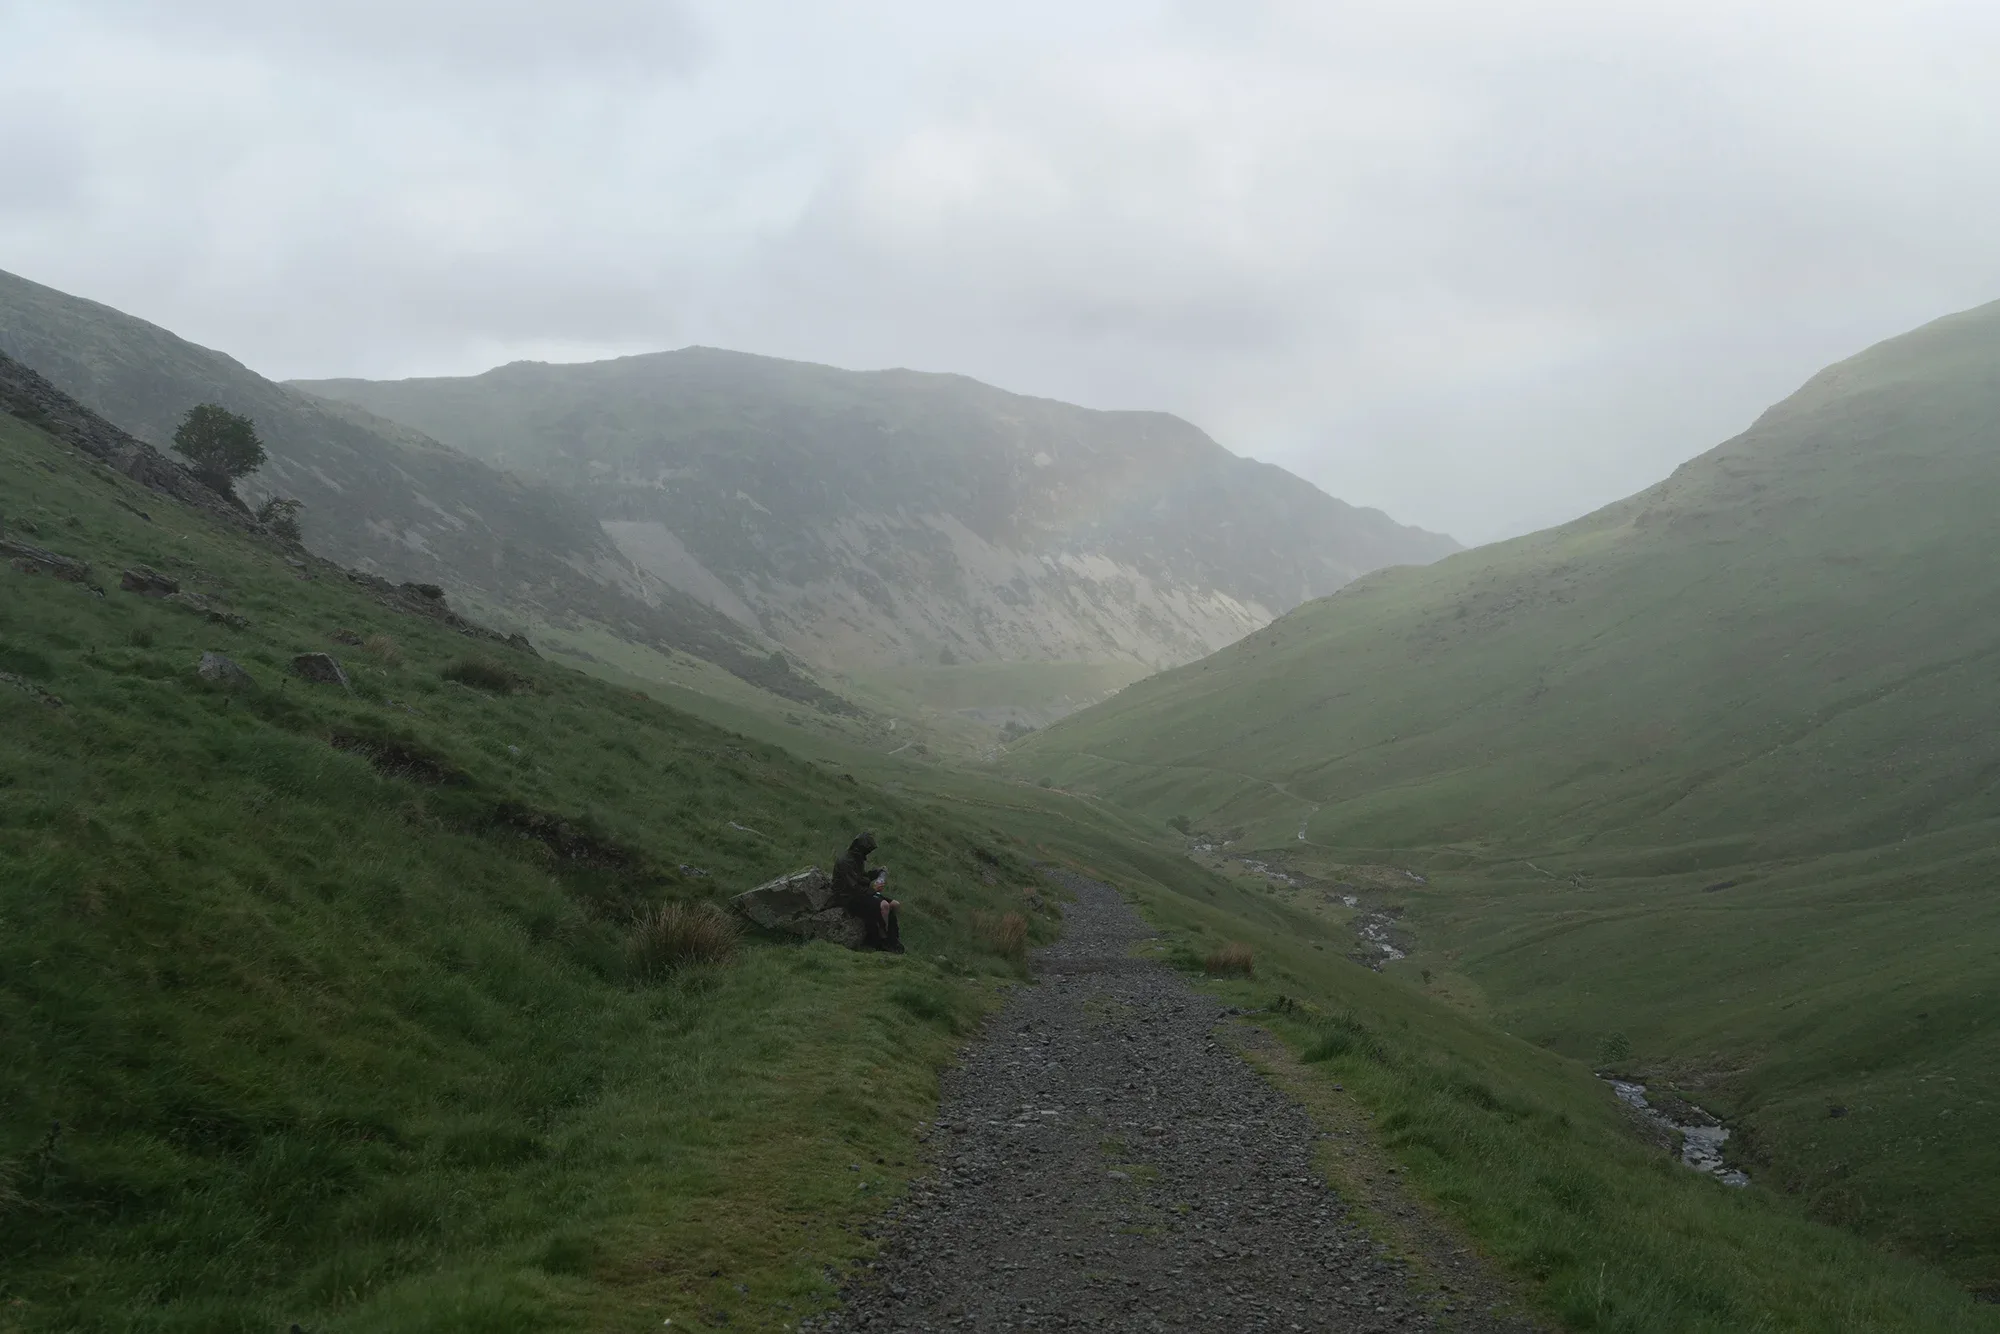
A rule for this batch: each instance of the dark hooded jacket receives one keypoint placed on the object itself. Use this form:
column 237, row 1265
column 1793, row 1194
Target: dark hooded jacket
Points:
column 852, row 880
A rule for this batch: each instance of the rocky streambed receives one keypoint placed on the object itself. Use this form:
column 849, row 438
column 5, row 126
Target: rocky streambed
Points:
column 1701, row 1134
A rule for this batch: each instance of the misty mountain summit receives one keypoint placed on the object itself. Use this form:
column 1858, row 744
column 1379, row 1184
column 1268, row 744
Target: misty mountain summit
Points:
column 897, row 517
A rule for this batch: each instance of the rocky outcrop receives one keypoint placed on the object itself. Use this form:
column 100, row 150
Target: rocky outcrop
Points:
column 800, row 904
column 28, row 559
column 26, row 394
column 148, row 582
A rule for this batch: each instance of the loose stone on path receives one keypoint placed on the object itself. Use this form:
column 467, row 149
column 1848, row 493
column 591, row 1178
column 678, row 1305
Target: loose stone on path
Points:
column 1106, row 1160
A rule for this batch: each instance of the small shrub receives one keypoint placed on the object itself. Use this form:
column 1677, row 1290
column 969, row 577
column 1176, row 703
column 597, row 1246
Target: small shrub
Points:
column 678, row 935
column 383, row 649
column 482, row 675
column 1235, row 957
column 280, row 514
column 1182, row 823
column 1007, row 934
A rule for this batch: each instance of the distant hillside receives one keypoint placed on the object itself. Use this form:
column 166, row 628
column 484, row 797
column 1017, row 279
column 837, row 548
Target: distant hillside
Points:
column 381, row 497
column 1748, row 649
column 884, row 519
column 1707, row 782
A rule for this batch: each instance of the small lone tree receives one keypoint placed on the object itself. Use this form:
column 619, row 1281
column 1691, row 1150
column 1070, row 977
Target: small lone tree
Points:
column 222, row 445
column 281, row 515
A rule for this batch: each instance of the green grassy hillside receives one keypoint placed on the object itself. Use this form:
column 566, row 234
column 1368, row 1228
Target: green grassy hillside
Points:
column 383, row 498
column 319, row 1004
column 1707, row 774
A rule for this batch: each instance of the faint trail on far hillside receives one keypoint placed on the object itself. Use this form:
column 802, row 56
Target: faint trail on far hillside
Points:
column 1108, row 1161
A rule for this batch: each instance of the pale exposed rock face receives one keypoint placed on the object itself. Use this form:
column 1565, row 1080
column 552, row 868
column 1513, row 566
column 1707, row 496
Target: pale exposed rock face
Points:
column 894, row 518
column 379, row 498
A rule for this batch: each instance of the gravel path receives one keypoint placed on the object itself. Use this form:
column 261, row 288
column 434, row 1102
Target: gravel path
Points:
column 1108, row 1161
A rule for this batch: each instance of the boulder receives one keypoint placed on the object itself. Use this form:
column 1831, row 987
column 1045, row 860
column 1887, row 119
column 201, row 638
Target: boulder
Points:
column 218, row 670
column 320, row 667
column 148, row 582
column 837, row 926
column 787, row 899
column 800, row 904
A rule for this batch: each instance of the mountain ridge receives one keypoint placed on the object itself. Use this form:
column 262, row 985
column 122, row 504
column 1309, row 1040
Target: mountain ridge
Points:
column 891, row 517
column 380, row 497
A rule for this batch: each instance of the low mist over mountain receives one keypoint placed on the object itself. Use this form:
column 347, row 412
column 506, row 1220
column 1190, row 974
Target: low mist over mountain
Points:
column 893, row 518
column 379, row 496
column 1707, row 782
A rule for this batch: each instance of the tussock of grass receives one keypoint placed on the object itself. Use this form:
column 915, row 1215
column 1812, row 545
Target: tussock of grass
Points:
column 1235, row 959
column 484, row 674
column 1341, row 1034
column 1006, row 935
column 383, row 649
column 345, row 1034
column 674, row 936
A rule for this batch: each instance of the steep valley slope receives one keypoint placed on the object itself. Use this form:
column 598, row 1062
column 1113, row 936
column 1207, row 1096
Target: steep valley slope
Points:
column 1705, row 783
column 350, row 1005
column 893, row 519
column 382, row 498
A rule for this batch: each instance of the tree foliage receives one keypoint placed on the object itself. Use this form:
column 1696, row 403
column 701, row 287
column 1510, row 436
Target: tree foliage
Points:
column 222, row 445
column 281, row 515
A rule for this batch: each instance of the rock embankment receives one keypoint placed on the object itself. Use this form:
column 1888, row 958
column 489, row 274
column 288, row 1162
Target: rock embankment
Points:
column 1106, row 1160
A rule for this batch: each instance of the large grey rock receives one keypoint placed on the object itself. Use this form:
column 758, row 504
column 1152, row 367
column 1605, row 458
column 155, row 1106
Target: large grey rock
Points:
column 801, row 904
column 218, row 670
column 786, row 899
column 320, row 667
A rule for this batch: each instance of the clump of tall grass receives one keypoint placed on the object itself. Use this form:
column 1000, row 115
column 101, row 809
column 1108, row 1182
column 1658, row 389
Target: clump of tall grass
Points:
column 383, row 649
column 480, row 674
column 674, row 936
column 1233, row 958
column 1006, row 935
column 1340, row 1034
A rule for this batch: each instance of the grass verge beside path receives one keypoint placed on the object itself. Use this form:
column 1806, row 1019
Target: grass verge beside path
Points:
column 1530, row 1154
column 1523, row 1150
column 316, row 1005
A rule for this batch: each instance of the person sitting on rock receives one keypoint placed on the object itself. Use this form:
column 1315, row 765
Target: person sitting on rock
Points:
column 859, row 891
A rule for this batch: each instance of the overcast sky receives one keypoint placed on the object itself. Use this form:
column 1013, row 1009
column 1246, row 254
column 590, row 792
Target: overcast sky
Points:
column 1483, row 263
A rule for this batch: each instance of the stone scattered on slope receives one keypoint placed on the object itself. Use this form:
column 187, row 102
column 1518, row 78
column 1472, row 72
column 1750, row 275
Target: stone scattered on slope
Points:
column 800, row 903
column 148, row 582
column 218, row 670
column 322, row 668
column 30, row 689
column 35, row 560
column 1108, row 1161
column 208, row 611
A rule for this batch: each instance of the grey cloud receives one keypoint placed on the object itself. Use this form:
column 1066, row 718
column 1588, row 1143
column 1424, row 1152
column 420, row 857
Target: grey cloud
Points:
column 468, row 38
column 1482, row 265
